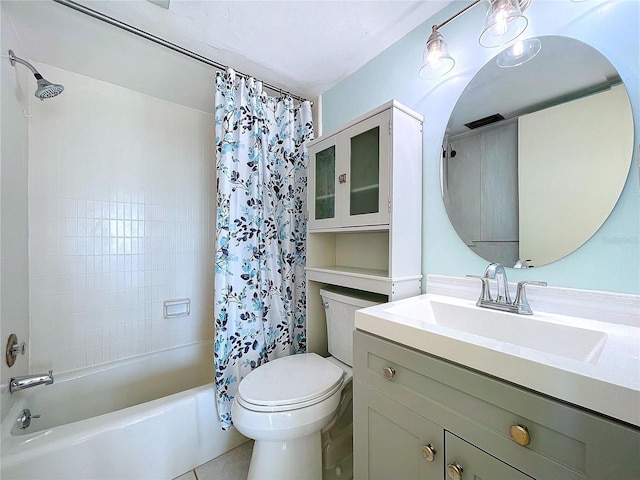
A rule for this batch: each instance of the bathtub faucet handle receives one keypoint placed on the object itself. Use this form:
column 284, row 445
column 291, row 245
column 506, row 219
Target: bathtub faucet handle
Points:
column 19, row 349
column 24, row 419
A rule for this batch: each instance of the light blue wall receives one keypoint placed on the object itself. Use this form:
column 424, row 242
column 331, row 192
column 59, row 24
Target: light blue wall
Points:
column 610, row 260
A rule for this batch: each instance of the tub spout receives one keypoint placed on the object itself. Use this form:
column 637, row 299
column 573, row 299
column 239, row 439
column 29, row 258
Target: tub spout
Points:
column 28, row 381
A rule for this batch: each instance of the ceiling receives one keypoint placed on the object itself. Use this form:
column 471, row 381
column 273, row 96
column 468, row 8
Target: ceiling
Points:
column 304, row 47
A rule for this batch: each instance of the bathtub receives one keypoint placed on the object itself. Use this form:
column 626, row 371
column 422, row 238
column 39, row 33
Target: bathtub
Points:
column 147, row 417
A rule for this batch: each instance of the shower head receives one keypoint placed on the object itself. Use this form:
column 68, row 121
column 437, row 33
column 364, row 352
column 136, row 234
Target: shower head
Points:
column 45, row 88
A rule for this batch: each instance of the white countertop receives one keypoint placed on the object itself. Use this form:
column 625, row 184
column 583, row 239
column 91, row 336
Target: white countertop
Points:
column 607, row 381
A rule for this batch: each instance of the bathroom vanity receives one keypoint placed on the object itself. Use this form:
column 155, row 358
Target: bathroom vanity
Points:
column 431, row 400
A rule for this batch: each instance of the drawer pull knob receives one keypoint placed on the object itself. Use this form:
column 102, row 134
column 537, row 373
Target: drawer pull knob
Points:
column 428, row 452
column 454, row 471
column 388, row 372
column 520, row 434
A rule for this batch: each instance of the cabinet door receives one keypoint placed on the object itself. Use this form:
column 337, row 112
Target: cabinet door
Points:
column 322, row 184
column 464, row 461
column 393, row 442
column 364, row 176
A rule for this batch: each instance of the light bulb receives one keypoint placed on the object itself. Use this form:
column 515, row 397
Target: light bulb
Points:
column 436, row 59
column 516, row 49
column 520, row 52
column 434, row 56
column 501, row 23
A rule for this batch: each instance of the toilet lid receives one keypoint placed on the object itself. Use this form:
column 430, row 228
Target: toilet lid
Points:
column 290, row 382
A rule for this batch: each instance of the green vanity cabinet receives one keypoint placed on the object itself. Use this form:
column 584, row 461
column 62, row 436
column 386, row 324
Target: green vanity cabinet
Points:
column 490, row 429
column 463, row 460
column 401, row 445
column 395, row 442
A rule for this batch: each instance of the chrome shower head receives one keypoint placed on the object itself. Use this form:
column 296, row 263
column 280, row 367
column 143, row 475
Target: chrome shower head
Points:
column 45, row 88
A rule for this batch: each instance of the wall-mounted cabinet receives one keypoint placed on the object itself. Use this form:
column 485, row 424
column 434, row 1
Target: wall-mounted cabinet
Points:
column 365, row 210
column 349, row 175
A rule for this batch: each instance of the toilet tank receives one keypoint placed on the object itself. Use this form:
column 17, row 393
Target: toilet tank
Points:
column 340, row 307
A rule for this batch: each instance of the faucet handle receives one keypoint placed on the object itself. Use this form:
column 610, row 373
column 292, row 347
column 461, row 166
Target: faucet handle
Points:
column 485, row 294
column 521, row 302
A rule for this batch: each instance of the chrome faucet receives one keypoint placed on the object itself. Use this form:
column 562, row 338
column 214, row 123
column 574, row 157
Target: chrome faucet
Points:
column 25, row 417
column 496, row 271
column 503, row 299
column 522, row 264
column 28, row 381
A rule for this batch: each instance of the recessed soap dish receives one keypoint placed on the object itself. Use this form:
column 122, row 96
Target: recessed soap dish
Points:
column 177, row 308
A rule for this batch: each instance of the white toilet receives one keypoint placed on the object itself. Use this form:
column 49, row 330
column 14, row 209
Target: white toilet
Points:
column 284, row 404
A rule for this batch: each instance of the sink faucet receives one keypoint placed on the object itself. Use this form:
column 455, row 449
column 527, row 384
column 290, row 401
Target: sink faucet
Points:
column 496, row 271
column 28, row 381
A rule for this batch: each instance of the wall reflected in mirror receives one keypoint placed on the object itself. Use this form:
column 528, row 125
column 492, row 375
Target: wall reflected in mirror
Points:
column 536, row 156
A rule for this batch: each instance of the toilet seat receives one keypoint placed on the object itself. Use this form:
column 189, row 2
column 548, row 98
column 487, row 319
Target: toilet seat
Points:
column 290, row 383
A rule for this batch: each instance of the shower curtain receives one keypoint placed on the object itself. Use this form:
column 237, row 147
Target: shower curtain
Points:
column 259, row 295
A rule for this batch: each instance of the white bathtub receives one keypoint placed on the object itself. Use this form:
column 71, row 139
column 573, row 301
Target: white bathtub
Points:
column 148, row 417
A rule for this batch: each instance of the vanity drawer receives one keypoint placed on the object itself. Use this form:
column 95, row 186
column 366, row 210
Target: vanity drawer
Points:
column 563, row 441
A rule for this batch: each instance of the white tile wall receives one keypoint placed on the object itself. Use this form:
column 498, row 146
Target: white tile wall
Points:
column 14, row 259
column 121, row 218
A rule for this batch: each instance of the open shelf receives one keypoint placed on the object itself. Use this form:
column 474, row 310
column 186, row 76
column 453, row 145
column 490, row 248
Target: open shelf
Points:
column 361, row 228
column 376, row 281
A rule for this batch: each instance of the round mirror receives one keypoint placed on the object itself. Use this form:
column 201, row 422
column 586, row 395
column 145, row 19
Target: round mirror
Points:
column 535, row 156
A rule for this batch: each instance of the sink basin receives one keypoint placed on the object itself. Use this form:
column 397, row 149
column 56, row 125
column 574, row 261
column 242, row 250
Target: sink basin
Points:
column 590, row 362
column 536, row 332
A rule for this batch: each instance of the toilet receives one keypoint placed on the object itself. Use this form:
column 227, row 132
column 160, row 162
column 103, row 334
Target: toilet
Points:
column 286, row 404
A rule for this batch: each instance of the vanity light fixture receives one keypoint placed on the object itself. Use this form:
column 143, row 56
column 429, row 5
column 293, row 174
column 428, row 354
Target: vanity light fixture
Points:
column 520, row 52
column 504, row 22
column 436, row 60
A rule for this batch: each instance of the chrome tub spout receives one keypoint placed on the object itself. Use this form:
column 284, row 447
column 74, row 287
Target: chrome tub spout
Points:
column 28, row 381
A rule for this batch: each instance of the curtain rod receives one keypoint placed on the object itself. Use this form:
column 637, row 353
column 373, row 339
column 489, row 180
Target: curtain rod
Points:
column 161, row 41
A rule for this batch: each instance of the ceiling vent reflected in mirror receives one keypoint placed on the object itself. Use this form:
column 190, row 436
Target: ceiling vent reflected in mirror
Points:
column 484, row 121
column 161, row 3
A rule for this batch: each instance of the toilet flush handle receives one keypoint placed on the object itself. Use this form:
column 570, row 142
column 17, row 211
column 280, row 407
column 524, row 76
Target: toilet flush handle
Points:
column 325, row 305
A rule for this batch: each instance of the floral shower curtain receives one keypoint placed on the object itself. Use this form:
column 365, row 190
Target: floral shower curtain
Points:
column 259, row 298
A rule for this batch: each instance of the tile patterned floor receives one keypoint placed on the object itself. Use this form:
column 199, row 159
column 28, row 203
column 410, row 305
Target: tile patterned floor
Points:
column 233, row 465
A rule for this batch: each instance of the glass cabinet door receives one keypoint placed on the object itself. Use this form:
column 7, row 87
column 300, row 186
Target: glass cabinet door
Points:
column 364, row 189
column 349, row 176
column 325, row 190
column 368, row 172
column 323, row 204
